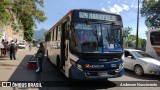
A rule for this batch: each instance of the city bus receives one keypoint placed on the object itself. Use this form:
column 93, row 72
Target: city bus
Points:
column 87, row 45
column 153, row 43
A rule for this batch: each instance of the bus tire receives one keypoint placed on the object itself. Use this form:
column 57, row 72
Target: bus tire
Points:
column 138, row 70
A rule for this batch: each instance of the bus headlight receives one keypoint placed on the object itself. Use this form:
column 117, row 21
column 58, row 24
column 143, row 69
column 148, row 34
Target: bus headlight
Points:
column 79, row 67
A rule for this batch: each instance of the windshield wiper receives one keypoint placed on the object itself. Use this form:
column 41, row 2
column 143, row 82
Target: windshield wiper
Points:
column 99, row 22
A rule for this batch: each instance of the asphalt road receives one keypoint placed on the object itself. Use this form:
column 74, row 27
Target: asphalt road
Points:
column 16, row 70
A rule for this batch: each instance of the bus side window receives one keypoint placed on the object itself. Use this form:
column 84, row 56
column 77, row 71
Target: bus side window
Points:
column 152, row 39
column 67, row 28
column 59, row 33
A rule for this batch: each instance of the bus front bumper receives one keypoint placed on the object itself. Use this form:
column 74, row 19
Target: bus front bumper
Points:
column 78, row 74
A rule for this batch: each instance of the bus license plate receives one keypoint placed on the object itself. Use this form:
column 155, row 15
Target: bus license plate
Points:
column 103, row 74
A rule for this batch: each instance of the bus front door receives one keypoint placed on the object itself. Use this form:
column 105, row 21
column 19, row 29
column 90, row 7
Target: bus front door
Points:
column 63, row 46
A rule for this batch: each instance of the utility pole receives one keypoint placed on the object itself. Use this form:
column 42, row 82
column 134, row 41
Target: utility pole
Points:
column 137, row 26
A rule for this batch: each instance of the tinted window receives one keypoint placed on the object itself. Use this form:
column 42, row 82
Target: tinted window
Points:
column 141, row 54
column 155, row 38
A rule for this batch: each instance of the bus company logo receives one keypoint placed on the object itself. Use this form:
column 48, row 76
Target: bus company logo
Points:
column 87, row 65
column 93, row 66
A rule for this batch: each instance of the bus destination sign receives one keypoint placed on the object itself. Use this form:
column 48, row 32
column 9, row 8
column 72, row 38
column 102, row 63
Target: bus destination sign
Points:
column 98, row 16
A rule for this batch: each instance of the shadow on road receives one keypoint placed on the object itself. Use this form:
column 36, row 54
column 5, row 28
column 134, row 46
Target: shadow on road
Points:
column 53, row 79
column 22, row 73
column 145, row 77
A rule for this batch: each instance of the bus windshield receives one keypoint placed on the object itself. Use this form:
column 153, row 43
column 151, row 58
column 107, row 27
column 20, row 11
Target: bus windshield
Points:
column 98, row 37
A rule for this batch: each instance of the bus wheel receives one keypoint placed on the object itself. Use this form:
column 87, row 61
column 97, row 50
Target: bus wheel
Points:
column 138, row 70
column 58, row 62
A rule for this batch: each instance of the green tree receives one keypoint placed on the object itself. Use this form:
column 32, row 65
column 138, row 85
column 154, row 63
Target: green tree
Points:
column 28, row 35
column 22, row 13
column 28, row 30
column 130, row 39
column 132, row 42
column 151, row 11
column 4, row 12
column 127, row 33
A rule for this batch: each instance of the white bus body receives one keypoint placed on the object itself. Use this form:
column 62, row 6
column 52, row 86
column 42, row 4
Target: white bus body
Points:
column 153, row 43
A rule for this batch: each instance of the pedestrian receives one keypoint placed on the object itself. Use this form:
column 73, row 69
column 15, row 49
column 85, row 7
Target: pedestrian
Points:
column 6, row 47
column 16, row 41
column 3, row 49
column 30, row 47
column 12, row 50
column 16, row 48
column 2, row 41
column 40, row 55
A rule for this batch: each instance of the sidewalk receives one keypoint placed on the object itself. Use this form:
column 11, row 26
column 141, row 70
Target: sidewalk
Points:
column 16, row 70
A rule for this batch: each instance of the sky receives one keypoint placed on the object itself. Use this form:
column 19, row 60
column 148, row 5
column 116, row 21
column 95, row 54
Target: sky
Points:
column 56, row 9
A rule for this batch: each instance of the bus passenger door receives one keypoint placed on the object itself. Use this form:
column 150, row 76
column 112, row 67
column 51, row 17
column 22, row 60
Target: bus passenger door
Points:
column 63, row 46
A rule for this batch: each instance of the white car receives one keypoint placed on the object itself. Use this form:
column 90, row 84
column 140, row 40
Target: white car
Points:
column 38, row 45
column 140, row 62
column 21, row 45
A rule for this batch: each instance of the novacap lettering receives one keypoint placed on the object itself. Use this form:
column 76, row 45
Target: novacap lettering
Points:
column 97, row 66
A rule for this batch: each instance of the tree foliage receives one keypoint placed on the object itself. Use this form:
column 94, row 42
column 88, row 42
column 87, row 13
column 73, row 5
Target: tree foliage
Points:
column 4, row 16
column 130, row 39
column 151, row 11
column 22, row 13
column 28, row 34
column 132, row 42
column 127, row 33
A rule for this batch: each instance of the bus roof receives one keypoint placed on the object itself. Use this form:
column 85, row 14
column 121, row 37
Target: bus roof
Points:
column 153, row 29
column 70, row 12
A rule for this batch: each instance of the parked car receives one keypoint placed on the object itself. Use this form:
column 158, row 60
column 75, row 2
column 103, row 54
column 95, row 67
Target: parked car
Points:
column 140, row 62
column 21, row 45
column 38, row 45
